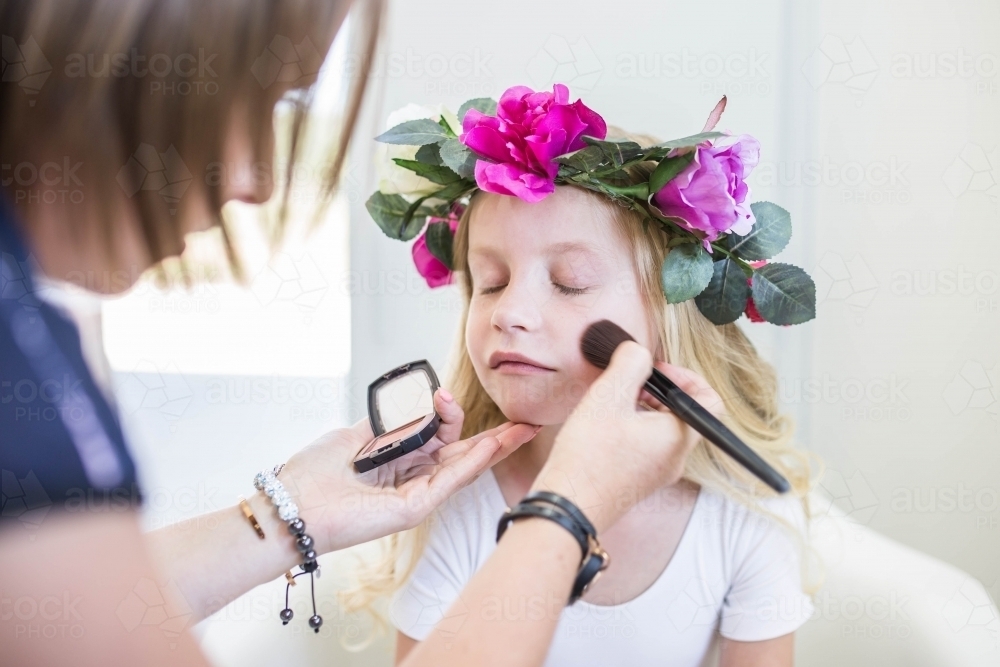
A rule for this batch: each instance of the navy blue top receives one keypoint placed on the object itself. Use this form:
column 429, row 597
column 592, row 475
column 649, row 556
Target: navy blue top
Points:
column 61, row 446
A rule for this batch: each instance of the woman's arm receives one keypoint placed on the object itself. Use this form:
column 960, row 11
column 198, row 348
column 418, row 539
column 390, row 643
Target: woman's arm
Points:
column 535, row 561
column 777, row 652
column 82, row 590
column 215, row 558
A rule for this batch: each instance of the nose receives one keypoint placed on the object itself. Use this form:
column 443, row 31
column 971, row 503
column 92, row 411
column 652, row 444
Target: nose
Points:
column 249, row 181
column 518, row 308
column 248, row 160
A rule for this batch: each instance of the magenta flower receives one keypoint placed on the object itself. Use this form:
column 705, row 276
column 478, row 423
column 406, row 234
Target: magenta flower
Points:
column 528, row 132
column 710, row 195
column 430, row 267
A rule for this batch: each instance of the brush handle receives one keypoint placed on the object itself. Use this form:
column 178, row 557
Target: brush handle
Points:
column 701, row 420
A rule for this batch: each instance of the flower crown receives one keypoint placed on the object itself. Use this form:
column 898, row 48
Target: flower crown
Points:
column 530, row 141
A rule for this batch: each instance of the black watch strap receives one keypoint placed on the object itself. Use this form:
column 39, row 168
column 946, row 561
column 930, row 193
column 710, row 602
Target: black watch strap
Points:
column 565, row 505
column 591, row 567
column 530, row 509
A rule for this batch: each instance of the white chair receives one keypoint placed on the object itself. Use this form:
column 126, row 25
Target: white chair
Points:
column 883, row 603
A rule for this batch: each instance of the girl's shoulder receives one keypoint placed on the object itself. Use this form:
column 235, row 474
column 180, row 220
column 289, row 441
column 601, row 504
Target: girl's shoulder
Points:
column 752, row 520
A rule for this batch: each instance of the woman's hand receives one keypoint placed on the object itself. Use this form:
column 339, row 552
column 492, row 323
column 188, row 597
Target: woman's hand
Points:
column 620, row 443
column 342, row 507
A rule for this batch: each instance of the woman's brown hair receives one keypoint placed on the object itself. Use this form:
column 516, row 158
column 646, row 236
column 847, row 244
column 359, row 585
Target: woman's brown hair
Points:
column 117, row 86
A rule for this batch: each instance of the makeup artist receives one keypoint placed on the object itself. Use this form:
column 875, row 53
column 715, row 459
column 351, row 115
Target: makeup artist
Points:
column 66, row 129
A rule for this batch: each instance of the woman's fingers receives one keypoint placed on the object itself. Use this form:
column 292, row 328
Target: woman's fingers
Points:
column 694, row 385
column 511, row 439
column 457, row 471
column 452, row 416
column 459, row 447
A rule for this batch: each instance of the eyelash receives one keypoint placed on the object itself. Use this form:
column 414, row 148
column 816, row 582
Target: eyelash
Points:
column 568, row 291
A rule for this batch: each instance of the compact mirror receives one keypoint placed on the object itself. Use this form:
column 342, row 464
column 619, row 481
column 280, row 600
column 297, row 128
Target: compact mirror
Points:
column 401, row 412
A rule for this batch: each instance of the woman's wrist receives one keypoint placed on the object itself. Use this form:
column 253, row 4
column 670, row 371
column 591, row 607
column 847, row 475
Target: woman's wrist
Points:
column 579, row 490
column 549, row 539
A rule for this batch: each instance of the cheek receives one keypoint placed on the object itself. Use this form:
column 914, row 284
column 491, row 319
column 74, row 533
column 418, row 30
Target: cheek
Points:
column 477, row 327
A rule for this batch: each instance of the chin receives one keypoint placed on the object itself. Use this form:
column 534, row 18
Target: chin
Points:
column 538, row 403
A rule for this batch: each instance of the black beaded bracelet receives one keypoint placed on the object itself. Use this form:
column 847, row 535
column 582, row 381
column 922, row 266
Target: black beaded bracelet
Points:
column 560, row 510
column 267, row 481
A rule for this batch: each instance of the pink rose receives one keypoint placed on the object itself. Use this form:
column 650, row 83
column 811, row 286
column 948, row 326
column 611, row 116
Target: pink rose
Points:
column 710, row 195
column 430, row 267
column 520, row 142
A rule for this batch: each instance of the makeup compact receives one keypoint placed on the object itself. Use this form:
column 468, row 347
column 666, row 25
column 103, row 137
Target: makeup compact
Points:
column 401, row 412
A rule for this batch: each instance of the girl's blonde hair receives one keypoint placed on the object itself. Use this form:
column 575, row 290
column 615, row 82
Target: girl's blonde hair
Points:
column 721, row 354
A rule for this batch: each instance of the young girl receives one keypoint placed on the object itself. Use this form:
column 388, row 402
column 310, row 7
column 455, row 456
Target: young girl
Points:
column 712, row 556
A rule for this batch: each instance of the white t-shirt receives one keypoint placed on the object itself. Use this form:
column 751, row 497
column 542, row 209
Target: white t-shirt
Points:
column 734, row 571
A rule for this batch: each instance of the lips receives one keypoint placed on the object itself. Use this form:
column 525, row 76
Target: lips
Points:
column 517, row 364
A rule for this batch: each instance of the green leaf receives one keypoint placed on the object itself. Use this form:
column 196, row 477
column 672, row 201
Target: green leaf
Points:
column 485, row 105
column 668, row 169
column 769, row 235
column 414, row 133
column 784, row 294
column 393, row 215
column 686, row 272
column 430, row 154
column 454, row 190
column 439, row 242
column 725, row 298
column 585, row 159
column 459, row 158
column 619, row 152
column 687, row 142
column 433, row 173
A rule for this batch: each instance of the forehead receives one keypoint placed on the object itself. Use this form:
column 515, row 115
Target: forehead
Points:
column 568, row 221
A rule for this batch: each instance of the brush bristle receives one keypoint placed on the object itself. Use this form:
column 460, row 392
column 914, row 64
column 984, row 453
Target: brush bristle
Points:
column 600, row 341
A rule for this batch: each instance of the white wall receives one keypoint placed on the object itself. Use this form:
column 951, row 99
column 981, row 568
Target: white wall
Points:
column 896, row 389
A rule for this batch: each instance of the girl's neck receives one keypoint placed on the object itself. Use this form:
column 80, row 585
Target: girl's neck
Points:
column 530, row 458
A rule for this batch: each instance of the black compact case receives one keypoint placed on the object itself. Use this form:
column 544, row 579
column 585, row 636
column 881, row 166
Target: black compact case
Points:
column 401, row 412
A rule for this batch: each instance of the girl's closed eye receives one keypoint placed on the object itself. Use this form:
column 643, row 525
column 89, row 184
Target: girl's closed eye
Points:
column 570, row 291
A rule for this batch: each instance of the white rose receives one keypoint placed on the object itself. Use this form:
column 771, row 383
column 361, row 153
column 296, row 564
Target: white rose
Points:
column 394, row 179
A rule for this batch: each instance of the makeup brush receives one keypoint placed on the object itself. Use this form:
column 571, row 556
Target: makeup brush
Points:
column 599, row 342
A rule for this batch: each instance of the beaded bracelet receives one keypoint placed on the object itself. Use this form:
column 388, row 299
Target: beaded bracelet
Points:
column 267, row 481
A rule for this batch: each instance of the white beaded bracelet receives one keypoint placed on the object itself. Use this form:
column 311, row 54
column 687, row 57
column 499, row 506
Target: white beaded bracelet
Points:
column 268, row 482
